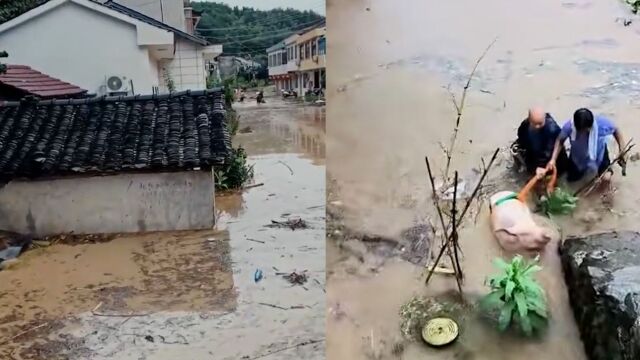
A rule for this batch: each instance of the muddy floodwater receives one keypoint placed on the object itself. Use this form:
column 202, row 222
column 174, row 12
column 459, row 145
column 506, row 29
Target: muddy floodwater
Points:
column 393, row 65
column 192, row 294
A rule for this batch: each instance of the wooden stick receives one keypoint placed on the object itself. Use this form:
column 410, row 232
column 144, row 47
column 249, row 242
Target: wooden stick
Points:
column 24, row 332
column 454, row 227
column 445, row 243
column 464, row 211
column 460, row 107
column 304, row 343
column 591, row 183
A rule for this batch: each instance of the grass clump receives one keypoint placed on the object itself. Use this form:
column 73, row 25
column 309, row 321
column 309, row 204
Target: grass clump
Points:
column 559, row 202
column 516, row 297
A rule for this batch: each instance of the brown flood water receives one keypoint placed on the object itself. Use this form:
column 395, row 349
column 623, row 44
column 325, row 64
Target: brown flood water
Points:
column 391, row 63
column 191, row 294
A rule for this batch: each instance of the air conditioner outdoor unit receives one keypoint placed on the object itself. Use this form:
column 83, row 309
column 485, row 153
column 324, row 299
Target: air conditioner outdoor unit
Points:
column 117, row 84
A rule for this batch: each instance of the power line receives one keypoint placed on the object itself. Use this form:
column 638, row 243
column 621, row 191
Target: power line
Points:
column 250, row 37
column 265, row 23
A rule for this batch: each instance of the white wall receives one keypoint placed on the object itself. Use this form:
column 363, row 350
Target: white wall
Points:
column 187, row 68
column 142, row 202
column 80, row 46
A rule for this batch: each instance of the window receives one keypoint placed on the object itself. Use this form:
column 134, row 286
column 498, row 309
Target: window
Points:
column 322, row 46
column 284, row 57
column 314, row 48
column 301, row 51
column 307, row 50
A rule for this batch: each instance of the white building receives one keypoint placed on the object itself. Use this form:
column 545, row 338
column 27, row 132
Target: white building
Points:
column 107, row 48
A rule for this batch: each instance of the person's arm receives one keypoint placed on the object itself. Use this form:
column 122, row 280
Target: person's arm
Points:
column 557, row 146
column 619, row 139
column 522, row 133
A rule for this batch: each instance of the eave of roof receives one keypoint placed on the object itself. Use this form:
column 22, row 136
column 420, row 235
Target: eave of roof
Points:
column 33, row 82
column 151, row 21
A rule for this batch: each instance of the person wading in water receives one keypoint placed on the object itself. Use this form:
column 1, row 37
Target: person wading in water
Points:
column 537, row 135
column 588, row 154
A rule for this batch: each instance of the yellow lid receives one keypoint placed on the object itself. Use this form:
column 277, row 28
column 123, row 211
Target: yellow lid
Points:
column 440, row 331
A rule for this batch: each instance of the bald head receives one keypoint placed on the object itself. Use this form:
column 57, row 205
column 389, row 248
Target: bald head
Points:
column 536, row 117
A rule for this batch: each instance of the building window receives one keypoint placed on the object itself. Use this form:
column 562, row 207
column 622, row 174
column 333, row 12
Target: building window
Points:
column 284, row 58
column 322, row 46
column 307, row 50
column 314, row 48
column 301, row 51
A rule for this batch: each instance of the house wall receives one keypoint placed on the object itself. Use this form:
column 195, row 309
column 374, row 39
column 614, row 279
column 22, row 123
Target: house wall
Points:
column 107, row 204
column 80, row 46
column 187, row 68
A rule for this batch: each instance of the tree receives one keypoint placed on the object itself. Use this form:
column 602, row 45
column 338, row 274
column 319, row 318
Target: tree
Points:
column 3, row 67
column 247, row 31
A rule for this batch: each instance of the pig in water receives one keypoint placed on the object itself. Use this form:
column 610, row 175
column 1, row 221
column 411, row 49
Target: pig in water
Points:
column 513, row 226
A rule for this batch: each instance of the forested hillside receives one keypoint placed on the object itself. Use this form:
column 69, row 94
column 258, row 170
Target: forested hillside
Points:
column 246, row 31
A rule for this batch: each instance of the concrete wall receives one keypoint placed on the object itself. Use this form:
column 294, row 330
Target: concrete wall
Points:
column 106, row 204
column 80, row 46
column 187, row 68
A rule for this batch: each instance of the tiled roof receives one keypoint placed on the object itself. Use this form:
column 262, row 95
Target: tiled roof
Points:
column 29, row 81
column 151, row 21
column 181, row 131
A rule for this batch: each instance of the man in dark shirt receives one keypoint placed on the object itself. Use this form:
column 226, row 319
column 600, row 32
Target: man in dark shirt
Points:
column 536, row 138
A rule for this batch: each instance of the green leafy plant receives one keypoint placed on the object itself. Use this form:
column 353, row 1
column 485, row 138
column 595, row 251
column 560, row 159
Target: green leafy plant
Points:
column 635, row 5
column 559, row 202
column 3, row 67
column 168, row 81
column 232, row 121
column 516, row 297
column 235, row 173
column 227, row 86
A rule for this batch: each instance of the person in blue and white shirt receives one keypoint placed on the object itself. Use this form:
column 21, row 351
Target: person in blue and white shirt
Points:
column 588, row 136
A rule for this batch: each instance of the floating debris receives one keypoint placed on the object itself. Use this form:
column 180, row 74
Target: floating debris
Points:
column 440, row 332
column 292, row 224
column 257, row 276
column 75, row 239
column 296, row 279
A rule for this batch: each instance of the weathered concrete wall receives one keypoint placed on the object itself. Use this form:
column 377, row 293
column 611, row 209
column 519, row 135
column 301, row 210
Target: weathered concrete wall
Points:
column 106, row 204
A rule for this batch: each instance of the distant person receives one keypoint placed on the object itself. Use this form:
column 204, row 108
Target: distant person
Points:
column 260, row 97
column 588, row 136
column 537, row 136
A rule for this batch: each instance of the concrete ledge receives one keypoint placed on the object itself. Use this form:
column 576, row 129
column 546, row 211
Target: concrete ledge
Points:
column 108, row 204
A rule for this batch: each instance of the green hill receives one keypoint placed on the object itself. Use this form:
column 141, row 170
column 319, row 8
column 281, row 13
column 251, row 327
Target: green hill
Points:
column 246, row 31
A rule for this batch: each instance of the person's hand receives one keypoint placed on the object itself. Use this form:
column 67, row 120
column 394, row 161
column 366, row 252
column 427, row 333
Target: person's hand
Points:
column 541, row 172
column 551, row 165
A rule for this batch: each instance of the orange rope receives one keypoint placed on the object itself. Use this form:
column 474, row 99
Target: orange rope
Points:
column 551, row 185
column 524, row 193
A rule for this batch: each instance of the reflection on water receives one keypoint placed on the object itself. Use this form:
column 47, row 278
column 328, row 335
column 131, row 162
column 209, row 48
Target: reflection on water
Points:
column 389, row 107
column 282, row 127
column 285, row 144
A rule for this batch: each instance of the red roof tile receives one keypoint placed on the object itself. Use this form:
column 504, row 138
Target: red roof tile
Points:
column 36, row 83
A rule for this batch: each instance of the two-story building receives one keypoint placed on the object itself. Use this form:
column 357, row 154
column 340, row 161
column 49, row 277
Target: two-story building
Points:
column 110, row 49
column 312, row 59
column 298, row 62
